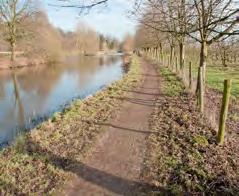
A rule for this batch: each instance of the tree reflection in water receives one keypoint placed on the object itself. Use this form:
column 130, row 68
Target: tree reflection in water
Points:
column 18, row 103
column 29, row 95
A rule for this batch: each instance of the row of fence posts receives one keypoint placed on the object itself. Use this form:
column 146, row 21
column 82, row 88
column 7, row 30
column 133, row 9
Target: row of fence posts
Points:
column 154, row 54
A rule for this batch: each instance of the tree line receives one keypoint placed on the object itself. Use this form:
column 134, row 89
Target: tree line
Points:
column 209, row 28
column 25, row 27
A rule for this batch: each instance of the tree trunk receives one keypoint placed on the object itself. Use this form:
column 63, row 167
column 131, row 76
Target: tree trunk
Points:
column 181, row 54
column 155, row 53
column 200, row 90
column 224, row 59
column 171, row 55
column 168, row 61
column 161, row 51
column 21, row 117
column 202, row 75
column 190, row 75
column 203, row 62
column 13, row 54
column 203, row 58
column 176, row 64
column 158, row 55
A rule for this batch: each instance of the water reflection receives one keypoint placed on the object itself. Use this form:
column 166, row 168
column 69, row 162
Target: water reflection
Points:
column 18, row 103
column 31, row 94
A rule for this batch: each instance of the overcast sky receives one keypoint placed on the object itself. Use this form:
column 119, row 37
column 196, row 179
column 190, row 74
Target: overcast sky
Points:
column 111, row 19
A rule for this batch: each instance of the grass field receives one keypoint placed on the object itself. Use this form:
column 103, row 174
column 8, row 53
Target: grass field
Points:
column 215, row 76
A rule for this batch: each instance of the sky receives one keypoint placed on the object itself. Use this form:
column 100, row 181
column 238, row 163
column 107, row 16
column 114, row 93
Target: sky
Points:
column 110, row 19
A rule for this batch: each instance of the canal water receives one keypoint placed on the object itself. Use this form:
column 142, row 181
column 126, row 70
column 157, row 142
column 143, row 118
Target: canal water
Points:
column 30, row 95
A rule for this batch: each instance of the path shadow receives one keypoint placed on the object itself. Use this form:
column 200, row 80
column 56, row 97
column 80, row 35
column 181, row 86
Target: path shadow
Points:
column 144, row 93
column 148, row 75
column 148, row 88
column 120, row 127
column 112, row 183
column 144, row 102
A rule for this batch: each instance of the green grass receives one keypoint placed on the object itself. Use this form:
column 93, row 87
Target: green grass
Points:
column 215, row 78
column 216, row 75
column 44, row 159
column 173, row 84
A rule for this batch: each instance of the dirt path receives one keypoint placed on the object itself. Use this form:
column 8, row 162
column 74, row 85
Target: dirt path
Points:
column 113, row 168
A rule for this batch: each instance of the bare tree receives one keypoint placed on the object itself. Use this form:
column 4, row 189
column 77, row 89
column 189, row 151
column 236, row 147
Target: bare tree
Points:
column 226, row 51
column 128, row 44
column 169, row 17
column 206, row 21
column 87, row 39
column 82, row 5
column 12, row 14
column 214, row 20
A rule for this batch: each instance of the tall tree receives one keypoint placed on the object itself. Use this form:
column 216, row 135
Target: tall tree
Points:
column 213, row 21
column 12, row 14
column 206, row 21
column 169, row 17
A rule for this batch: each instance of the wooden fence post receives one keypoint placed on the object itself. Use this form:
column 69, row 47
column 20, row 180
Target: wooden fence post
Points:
column 190, row 75
column 224, row 111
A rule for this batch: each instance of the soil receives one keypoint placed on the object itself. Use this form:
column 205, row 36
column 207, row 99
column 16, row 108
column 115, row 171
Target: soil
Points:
column 114, row 165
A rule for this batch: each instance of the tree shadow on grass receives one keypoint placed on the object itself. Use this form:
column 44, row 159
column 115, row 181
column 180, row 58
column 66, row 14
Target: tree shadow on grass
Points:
column 112, row 183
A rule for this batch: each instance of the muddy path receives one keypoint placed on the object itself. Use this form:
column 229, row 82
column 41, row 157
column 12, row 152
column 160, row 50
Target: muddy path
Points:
column 114, row 165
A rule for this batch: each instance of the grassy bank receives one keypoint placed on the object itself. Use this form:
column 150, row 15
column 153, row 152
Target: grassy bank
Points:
column 43, row 160
column 183, row 157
